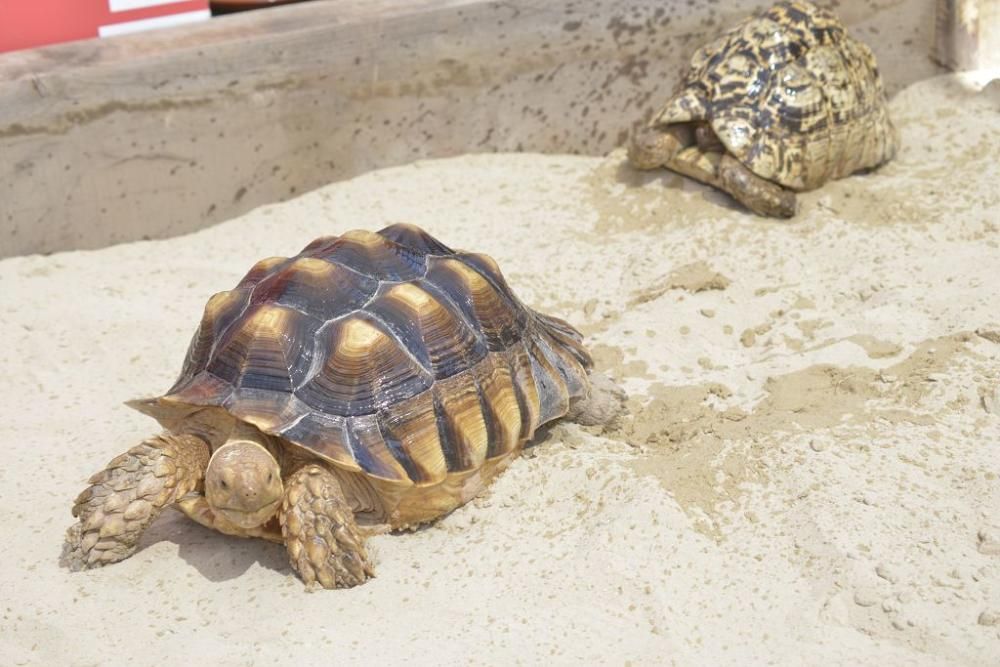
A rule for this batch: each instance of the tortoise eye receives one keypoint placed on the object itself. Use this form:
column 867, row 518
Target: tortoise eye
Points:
column 223, row 484
column 270, row 477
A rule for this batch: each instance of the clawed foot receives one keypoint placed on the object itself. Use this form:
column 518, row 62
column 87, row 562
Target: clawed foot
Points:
column 759, row 195
column 73, row 556
column 324, row 543
column 125, row 497
column 604, row 404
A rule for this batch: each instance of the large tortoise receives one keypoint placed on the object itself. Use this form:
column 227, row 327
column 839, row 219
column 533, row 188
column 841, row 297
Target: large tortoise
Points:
column 781, row 103
column 374, row 381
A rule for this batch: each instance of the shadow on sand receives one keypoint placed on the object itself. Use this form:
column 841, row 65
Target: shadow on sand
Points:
column 215, row 556
column 664, row 178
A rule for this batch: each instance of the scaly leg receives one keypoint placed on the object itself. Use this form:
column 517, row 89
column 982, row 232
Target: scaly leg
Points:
column 125, row 497
column 699, row 164
column 757, row 194
column 323, row 541
column 697, row 153
column 654, row 147
column 604, row 404
column 693, row 151
column 728, row 174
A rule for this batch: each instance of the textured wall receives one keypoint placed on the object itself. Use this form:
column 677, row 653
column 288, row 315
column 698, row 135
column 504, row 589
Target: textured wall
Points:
column 157, row 135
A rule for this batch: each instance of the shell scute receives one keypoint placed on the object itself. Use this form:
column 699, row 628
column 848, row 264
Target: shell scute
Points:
column 268, row 410
column 261, row 270
column 369, row 254
column 410, row 431
column 325, row 434
column 370, row 450
column 268, row 348
column 221, row 311
column 491, row 312
column 310, row 285
column 519, row 361
column 553, row 395
column 464, row 436
column 428, row 328
column 360, row 367
column 501, row 408
column 415, row 238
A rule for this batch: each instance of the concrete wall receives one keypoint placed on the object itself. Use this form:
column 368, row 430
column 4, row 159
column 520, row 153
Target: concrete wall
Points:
column 160, row 134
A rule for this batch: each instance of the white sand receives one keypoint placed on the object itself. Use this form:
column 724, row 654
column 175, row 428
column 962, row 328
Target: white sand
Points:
column 809, row 472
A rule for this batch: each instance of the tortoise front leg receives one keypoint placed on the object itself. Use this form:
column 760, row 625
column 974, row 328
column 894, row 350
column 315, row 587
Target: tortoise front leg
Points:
column 697, row 153
column 323, row 541
column 124, row 498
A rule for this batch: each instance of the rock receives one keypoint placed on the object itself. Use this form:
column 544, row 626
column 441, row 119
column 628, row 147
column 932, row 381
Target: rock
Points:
column 865, row 598
column 989, row 541
column 989, row 618
column 990, row 399
column 819, row 445
column 990, row 332
column 835, row 610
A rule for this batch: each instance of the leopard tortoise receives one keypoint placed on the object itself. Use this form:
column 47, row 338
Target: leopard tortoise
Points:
column 373, row 382
column 781, row 103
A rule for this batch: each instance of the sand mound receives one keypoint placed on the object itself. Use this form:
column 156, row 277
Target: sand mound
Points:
column 808, row 470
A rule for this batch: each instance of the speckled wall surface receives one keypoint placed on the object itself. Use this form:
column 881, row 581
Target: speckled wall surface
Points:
column 105, row 142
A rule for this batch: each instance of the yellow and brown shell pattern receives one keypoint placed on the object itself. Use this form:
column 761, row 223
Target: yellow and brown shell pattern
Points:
column 790, row 95
column 385, row 353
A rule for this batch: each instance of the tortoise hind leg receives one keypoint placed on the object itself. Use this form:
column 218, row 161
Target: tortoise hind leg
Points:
column 602, row 406
column 691, row 150
column 696, row 152
column 654, row 147
column 700, row 164
column 124, row 498
column 324, row 543
column 721, row 170
column 759, row 195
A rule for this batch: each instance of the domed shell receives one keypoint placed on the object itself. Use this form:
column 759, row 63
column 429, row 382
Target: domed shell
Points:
column 791, row 95
column 387, row 354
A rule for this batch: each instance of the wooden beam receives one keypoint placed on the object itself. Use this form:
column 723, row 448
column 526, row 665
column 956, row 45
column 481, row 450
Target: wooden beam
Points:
column 158, row 134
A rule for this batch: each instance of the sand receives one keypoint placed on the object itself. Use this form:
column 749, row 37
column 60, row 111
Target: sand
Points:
column 808, row 472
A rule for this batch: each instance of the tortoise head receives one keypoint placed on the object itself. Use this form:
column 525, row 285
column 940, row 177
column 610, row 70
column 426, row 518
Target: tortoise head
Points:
column 243, row 483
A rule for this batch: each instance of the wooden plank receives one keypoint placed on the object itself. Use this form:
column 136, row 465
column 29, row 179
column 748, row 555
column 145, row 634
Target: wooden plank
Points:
column 158, row 134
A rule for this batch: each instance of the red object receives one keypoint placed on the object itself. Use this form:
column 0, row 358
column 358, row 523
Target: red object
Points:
column 233, row 6
column 29, row 23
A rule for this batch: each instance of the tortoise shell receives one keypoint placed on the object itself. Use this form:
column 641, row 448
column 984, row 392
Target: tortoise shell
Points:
column 387, row 354
column 790, row 95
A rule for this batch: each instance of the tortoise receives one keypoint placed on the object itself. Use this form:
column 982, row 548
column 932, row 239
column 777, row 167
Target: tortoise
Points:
column 781, row 103
column 373, row 382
